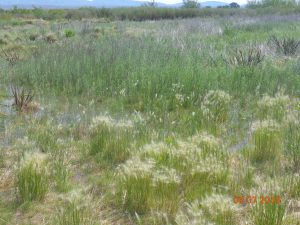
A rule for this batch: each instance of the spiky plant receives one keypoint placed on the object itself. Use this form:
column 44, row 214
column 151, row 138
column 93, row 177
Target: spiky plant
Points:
column 250, row 57
column 22, row 97
column 287, row 46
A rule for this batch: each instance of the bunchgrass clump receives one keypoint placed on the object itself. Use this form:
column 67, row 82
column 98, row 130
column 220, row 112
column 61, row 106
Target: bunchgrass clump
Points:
column 163, row 175
column 32, row 177
column 269, row 214
column 220, row 209
column 213, row 209
column 274, row 108
column 110, row 140
column 267, row 141
column 74, row 212
column 192, row 214
column 135, row 185
column 292, row 143
column 215, row 106
column 60, row 172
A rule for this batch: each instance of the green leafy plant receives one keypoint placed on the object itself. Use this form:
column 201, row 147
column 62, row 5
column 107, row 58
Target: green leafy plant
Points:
column 69, row 33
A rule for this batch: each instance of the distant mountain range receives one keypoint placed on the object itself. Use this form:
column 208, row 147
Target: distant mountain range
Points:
column 91, row 3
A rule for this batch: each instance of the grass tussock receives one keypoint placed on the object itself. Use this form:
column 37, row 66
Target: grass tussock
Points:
column 32, row 177
column 74, row 211
column 154, row 180
column 267, row 140
column 110, row 140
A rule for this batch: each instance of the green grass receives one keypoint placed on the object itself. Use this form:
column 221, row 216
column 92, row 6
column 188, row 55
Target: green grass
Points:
column 32, row 180
column 152, row 122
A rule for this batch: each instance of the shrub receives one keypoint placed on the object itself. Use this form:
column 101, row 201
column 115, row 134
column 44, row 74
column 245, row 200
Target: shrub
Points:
column 32, row 177
column 69, row 33
column 33, row 37
column 287, row 46
column 51, row 38
column 267, row 141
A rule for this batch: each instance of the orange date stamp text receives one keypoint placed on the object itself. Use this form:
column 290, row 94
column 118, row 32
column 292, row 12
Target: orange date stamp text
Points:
column 244, row 200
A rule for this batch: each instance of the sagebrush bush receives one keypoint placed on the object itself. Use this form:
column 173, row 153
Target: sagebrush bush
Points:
column 32, row 177
column 51, row 38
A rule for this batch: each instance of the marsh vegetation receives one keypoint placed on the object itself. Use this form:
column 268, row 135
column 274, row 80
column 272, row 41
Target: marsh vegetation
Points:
column 153, row 122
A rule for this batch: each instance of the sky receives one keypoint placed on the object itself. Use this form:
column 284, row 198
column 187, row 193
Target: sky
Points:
column 179, row 1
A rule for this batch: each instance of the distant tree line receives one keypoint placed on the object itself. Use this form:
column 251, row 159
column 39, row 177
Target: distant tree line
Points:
column 272, row 3
column 151, row 12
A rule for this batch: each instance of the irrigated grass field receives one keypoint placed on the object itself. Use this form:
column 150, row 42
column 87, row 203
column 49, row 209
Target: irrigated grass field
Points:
column 154, row 122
